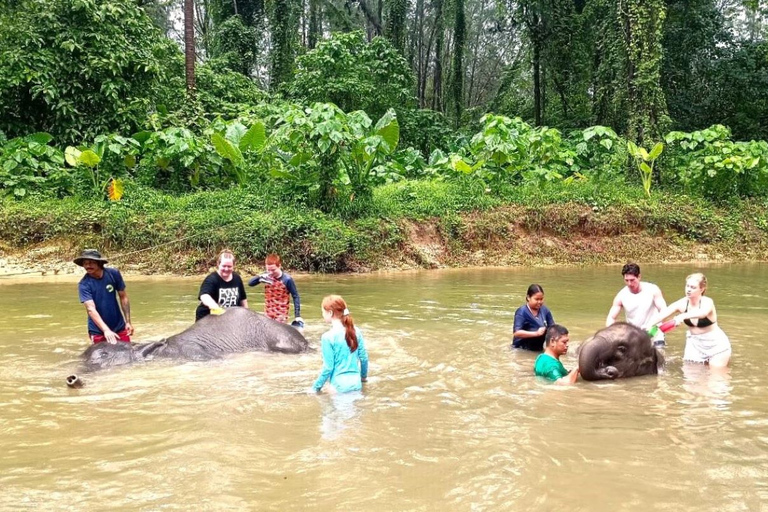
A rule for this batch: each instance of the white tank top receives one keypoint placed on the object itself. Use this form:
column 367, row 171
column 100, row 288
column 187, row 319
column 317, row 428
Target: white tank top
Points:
column 639, row 307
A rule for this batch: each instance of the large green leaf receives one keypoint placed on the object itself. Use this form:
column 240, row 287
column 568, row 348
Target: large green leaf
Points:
column 656, row 151
column 227, row 150
column 89, row 158
column 40, row 137
column 72, row 155
column 235, row 132
column 142, row 137
column 300, row 158
column 389, row 129
column 254, row 138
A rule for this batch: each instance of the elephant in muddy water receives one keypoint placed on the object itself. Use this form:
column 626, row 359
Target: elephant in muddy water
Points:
column 236, row 330
column 618, row 351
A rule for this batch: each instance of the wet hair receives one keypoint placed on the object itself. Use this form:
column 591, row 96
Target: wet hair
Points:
column 702, row 280
column 336, row 305
column 533, row 290
column 272, row 259
column 554, row 332
column 226, row 253
column 631, row 269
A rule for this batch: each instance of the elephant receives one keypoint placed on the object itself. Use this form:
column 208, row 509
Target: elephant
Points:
column 618, row 351
column 236, row 330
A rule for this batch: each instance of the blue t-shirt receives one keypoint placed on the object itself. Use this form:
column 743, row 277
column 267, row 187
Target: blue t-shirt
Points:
column 345, row 369
column 103, row 292
column 525, row 321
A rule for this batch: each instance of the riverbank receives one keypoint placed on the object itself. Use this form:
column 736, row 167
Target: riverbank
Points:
column 497, row 237
column 405, row 225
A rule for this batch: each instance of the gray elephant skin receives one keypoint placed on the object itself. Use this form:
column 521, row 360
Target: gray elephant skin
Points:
column 618, row 351
column 236, row 330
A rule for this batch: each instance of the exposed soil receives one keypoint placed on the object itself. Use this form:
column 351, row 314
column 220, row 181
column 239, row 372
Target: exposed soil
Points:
column 513, row 236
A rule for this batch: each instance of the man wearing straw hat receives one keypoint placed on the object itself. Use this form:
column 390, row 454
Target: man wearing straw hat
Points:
column 102, row 292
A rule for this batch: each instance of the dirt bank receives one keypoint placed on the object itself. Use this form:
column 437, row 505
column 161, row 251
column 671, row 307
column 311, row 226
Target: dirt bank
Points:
column 502, row 237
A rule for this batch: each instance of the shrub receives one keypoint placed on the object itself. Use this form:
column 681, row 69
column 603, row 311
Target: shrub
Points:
column 708, row 163
column 79, row 68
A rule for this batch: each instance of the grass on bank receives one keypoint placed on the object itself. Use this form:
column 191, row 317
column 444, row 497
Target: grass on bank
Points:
column 254, row 221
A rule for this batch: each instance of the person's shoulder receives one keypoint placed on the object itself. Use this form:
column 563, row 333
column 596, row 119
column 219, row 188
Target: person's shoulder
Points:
column 112, row 271
column 651, row 286
column 286, row 277
column 541, row 363
column 330, row 335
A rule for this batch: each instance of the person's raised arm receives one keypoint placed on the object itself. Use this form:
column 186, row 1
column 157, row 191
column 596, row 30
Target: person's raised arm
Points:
column 206, row 290
column 658, row 299
column 109, row 335
column 613, row 313
column 518, row 331
column 571, row 378
column 208, row 301
column 291, row 285
column 125, row 304
column 675, row 307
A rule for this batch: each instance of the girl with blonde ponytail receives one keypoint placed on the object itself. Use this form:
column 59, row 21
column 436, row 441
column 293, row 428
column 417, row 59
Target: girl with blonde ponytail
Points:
column 345, row 360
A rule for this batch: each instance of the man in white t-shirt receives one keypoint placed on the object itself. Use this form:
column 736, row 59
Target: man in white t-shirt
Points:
column 640, row 300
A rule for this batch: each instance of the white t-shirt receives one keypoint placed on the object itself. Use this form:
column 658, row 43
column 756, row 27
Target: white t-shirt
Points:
column 640, row 307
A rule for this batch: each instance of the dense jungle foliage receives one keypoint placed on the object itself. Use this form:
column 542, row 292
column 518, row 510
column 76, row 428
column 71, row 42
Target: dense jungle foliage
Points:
column 327, row 104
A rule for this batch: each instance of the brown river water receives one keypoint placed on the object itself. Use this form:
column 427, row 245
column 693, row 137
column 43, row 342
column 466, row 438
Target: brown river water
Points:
column 451, row 418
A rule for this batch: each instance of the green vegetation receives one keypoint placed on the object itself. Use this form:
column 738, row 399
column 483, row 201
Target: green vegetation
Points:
column 341, row 166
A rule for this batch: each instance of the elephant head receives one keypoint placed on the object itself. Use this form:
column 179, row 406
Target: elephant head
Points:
column 618, row 351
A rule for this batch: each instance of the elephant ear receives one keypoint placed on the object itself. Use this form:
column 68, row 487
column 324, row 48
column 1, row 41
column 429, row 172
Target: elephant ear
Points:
column 147, row 351
column 580, row 345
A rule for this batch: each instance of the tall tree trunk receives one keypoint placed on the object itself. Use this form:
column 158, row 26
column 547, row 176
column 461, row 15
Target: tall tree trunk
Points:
column 437, row 81
column 537, row 96
column 398, row 12
column 643, row 21
column 189, row 44
column 422, row 67
column 283, row 26
column 459, row 39
column 475, row 54
column 425, row 69
column 314, row 23
column 371, row 16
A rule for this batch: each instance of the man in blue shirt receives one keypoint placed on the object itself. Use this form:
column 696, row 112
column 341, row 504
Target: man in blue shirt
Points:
column 102, row 292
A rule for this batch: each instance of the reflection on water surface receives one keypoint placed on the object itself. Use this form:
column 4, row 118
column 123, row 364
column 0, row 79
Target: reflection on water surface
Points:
column 450, row 418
